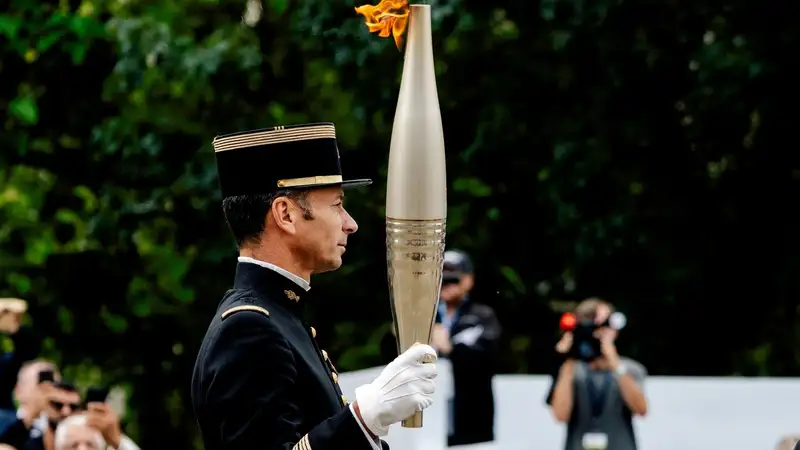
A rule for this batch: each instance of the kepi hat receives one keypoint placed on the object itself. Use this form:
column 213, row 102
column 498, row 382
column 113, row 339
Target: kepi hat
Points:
column 304, row 156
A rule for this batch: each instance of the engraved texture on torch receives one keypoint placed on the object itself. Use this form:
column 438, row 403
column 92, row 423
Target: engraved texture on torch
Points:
column 414, row 256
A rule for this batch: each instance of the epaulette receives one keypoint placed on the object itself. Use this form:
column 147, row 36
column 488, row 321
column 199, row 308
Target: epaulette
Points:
column 239, row 308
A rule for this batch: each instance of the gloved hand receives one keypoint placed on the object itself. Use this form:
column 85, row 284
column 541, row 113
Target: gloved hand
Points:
column 404, row 387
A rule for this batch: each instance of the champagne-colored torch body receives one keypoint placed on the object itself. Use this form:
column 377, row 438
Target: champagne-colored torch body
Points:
column 416, row 197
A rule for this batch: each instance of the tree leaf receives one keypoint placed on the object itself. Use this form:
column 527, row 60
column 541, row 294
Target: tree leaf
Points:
column 24, row 108
column 278, row 6
column 9, row 26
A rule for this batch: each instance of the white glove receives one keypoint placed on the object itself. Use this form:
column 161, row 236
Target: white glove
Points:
column 404, row 387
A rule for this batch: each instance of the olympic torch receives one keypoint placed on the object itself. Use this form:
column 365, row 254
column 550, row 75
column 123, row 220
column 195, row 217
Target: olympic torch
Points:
column 416, row 193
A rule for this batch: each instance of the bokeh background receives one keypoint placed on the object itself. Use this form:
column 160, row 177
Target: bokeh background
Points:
column 643, row 151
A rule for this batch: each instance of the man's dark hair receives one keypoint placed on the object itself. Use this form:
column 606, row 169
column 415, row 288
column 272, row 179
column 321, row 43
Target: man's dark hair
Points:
column 246, row 215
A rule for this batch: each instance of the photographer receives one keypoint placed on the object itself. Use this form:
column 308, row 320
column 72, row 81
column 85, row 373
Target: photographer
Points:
column 597, row 392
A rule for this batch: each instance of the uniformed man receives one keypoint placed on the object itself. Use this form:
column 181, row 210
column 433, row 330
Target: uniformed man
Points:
column 260, row 380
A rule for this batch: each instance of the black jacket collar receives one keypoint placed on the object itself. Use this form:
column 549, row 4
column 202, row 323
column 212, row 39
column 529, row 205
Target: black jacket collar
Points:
column 270, row 284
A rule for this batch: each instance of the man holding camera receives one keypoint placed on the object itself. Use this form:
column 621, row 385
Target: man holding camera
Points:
column 597, row 392
column 46, row 401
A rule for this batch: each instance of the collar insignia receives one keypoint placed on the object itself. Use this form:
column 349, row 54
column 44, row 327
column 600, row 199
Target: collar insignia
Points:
column 292, row 296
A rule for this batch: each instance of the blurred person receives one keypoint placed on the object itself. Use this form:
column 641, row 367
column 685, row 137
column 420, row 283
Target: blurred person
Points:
column 62, row 400
column 55, row 402
column 27, row 345
column 260, row 379
column 29, row 377
column 47, row 405
column 102, row 418
column 75, row 433
column 789, row 443
column 598, row 398
column 467, row 333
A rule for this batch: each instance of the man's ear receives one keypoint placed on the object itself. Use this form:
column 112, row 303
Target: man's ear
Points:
column 284, row 214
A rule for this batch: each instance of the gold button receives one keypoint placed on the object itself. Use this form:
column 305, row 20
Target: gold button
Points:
column 335, row 377
column 344, row 399
column 313, row 332
column 325, row 355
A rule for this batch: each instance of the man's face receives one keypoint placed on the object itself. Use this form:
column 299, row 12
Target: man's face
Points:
column 79, row 437
column 321, row 241
column 62, row 404
column 454, row 290
column 451, row 292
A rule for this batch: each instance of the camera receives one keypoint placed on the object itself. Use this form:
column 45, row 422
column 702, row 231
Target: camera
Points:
column 96, row 394
column 585, row 346
column 46, row 376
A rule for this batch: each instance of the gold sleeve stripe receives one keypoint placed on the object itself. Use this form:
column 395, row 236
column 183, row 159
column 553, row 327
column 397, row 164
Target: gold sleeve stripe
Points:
column 236, row 309
column 278, row 135
column 302, row 444
column 305, row 181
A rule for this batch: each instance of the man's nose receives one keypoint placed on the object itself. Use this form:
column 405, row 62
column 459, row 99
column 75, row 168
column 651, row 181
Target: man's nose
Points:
column 349, row 226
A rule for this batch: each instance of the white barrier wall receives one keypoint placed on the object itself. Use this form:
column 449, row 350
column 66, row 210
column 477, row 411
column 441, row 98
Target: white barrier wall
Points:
column 684, row 413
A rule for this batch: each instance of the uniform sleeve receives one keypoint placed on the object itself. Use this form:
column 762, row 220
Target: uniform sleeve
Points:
column 478, row 343
column 252, row 371
column 376, row 443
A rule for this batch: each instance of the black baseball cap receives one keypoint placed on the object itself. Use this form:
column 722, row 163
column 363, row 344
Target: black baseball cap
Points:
column 456, row 263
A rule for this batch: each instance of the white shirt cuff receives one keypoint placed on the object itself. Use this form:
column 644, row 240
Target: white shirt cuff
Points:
column 376, row 443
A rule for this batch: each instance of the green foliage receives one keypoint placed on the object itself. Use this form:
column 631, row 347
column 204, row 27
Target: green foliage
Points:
column 594, row 148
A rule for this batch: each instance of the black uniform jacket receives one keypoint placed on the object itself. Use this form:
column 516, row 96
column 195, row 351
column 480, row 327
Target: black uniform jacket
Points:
column 261, row 381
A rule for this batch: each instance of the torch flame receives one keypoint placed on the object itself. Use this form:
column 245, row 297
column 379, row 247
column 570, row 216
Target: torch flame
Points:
column 385, row 18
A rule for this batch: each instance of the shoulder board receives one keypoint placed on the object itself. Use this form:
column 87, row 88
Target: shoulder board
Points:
column 236, row 309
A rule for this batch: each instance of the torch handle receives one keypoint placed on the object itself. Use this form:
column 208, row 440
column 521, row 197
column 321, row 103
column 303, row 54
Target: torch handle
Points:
column 415, row 421
column 415, row 255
